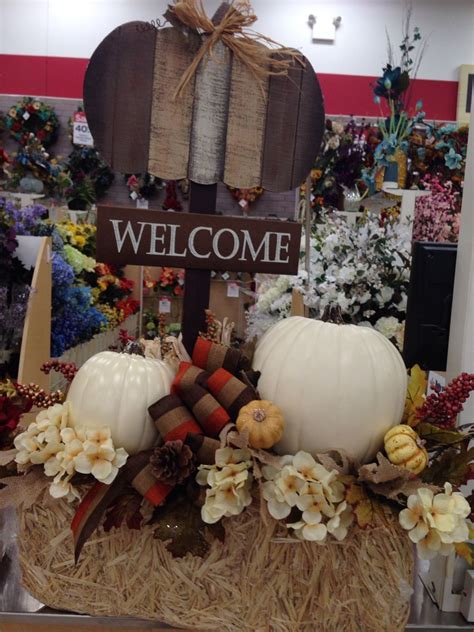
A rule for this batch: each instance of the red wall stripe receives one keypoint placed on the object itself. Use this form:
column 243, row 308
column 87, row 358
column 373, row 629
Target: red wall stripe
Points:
column 344, row 94
column 29, row 75
column 349, row 94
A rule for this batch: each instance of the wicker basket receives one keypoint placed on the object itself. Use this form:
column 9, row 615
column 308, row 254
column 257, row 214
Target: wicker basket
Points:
column 251, row 583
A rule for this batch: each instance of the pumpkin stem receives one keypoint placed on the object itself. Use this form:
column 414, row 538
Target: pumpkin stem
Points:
column 134, row 348
column 259, row 414
column 333, row 314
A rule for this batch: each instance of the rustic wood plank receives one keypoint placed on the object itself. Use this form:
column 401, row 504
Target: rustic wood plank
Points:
column 133, row 94
column 99, row 93
column 211, row 99
column 245, row 129
column 310, row 128
column 280, row 132
column 171, row 120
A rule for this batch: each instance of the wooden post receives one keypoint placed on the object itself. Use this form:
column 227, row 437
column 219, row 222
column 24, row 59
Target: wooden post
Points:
column 197, row 282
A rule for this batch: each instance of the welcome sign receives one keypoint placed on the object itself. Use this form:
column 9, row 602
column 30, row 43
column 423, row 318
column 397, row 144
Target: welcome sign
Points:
column 195, row 240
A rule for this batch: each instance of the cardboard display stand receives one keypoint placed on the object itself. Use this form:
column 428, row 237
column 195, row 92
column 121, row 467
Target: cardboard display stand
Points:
column 35, row 346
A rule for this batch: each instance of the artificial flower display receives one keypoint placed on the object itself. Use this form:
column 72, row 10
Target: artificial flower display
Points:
column 86, row 297
column 32, row 117
column 363, row 268
column 437, row 216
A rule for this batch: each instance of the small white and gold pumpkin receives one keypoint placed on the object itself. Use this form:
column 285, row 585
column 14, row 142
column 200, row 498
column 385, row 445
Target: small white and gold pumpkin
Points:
column 405, row 449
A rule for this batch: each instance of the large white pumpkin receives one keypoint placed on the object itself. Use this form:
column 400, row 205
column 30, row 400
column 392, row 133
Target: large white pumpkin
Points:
column 339, row 386
column 115, row 390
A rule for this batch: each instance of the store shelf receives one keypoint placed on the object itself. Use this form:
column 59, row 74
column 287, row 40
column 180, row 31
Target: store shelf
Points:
column 425, row 617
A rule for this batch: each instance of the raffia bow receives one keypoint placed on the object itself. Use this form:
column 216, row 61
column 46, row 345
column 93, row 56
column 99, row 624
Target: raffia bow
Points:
column 260, row 54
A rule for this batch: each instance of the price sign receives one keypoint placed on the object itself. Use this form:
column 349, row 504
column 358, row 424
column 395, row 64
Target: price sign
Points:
column 164, row 306
column 81, row 134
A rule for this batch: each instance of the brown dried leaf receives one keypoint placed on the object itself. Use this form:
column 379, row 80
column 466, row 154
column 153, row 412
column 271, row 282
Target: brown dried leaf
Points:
column 23, row 490
column 388, row 480
column 336, row 460
column 382, row 472
column 7, row 456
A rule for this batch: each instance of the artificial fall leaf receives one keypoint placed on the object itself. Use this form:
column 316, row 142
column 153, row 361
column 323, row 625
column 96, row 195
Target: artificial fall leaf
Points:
column 181, row 526
column 465, row 550
column 355, row 494
column 440, row 436
column 364, row 507
column 382, row 472
column 417, row 384
column 364, row 513
column 453, row 465
column 126, row 507
column 389, row 480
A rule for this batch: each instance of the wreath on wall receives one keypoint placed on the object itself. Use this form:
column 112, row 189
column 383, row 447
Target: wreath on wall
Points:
column 30, row 116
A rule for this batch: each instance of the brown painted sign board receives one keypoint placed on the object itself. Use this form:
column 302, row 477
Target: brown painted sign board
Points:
column 197, row 241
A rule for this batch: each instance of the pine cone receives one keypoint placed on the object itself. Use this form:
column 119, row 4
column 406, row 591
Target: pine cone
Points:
column 173, row 462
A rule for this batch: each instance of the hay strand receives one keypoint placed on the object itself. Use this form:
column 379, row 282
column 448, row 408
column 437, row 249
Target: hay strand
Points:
column 251, row 583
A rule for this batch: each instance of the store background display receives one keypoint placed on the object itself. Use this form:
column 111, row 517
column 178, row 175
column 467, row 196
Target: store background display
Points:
column 43, row 53
column 433, row 419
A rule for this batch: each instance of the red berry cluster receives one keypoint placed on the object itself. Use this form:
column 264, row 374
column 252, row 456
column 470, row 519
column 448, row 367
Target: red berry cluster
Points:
column 443, row 408
column 125, row 338
column 38, row 396
column 68, row 369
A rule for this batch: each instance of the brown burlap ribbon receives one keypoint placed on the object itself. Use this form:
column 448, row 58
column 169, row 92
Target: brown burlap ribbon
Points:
column 260, row 54
column 206, row 395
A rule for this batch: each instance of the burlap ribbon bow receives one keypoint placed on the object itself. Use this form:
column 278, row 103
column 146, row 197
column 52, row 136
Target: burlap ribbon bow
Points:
column 206, row 397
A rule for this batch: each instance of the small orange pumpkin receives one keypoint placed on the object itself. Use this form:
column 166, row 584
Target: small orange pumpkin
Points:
column 264, row 422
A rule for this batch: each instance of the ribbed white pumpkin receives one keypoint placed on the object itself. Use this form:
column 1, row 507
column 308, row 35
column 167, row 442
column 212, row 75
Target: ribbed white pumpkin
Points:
column 339, row 386
column 115, row 390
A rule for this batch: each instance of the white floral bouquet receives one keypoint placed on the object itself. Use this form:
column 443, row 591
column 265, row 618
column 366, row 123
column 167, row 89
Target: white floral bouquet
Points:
column 363, row 268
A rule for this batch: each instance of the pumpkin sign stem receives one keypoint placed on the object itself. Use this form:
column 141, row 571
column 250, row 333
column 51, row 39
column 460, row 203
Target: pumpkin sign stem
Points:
column 259, row 414
column 333, row 314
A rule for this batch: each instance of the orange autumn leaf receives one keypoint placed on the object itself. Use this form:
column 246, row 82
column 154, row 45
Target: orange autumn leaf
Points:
column 355, row 494
column 364, row 509
column 364, row 513
column 417, row 384
column 465, row 551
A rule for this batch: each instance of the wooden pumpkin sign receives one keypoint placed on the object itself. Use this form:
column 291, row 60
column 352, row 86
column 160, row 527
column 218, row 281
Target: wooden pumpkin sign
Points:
column 205, row 100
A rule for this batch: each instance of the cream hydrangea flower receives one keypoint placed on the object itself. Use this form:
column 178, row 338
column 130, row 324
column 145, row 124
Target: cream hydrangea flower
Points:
column 62, row 450
column 101, row 460
column 229, row 482
column 435, row 522
column 317, row 493
column 41, row 439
